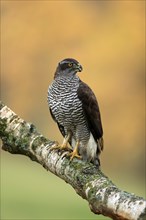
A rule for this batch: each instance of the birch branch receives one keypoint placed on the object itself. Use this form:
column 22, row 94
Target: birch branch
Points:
column 20, row 137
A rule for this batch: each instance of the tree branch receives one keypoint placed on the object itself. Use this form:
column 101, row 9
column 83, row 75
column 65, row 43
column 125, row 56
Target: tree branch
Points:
column 20, row 137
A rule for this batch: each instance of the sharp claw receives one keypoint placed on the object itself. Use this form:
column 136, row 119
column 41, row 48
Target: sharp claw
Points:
column 55, row 146
column 77, row 156
column 64, row 145
column 63, row 154
column 60, row 147
column 73, row 154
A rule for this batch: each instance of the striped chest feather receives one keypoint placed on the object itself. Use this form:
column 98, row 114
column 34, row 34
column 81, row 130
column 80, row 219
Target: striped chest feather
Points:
column 63, row 100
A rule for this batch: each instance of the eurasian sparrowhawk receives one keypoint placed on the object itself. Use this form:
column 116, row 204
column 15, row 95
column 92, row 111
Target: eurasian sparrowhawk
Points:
column 74, row 107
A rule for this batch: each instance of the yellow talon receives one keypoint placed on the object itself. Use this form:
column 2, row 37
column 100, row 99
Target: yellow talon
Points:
column 64, row 145
column 75, row 152
column 61, row 147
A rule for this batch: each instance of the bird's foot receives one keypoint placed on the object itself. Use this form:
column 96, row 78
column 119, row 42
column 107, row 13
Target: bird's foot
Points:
column 74, row 154
column 61, row 147
column 64, row 145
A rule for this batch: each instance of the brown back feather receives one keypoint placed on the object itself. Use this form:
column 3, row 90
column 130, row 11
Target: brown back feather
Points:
column 91, row 111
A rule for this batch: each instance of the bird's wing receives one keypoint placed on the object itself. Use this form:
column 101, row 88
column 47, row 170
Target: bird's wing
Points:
column 53, row 116
column 61, row 128
column 91, row 110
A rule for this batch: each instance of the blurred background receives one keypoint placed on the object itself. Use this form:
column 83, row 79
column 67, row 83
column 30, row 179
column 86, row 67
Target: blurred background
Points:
column 107, row 38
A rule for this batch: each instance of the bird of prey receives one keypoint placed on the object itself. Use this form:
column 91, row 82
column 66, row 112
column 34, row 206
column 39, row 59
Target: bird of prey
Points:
column 75, row 109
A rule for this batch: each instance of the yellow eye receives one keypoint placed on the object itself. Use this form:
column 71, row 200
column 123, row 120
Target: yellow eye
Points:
column 70, row 64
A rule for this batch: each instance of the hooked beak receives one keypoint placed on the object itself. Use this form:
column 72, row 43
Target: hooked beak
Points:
column 79, row 67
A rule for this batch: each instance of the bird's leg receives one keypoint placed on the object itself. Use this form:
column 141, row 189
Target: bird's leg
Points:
column 75, row 152
column 64, row 145
column 65, row 142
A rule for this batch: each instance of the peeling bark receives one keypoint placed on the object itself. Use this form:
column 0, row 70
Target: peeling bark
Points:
column 20, row 137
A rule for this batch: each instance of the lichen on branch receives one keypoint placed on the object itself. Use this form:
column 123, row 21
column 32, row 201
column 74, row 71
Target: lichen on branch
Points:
column 104, row 197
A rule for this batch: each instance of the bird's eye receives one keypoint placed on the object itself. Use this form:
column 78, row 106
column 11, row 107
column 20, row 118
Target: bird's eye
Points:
column 70, row 64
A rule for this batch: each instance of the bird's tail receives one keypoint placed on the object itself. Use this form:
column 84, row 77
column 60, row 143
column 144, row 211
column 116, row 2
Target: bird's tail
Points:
column 100, row 146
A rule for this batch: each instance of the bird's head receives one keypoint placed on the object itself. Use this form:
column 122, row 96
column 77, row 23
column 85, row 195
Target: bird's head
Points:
column 68, row 67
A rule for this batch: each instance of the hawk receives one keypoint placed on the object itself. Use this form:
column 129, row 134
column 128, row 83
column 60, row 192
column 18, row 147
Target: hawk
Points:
column 75, row 109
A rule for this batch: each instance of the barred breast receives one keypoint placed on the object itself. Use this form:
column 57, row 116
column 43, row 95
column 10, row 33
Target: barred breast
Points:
column 67, row 108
